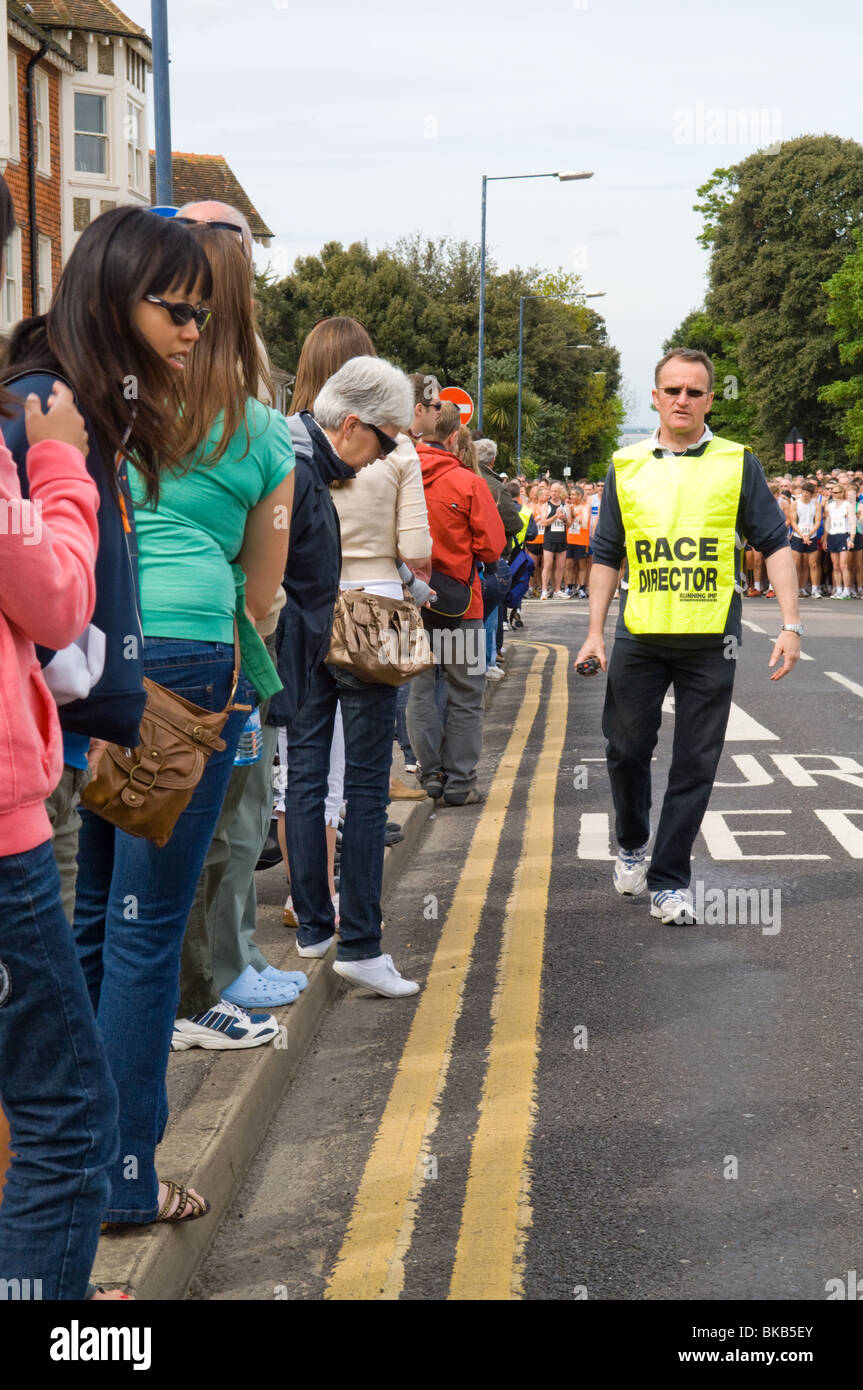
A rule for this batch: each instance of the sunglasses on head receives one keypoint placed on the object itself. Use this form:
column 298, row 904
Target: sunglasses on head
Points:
column 205, row 222
column 183, row 313
column 673, row 391
column 386, row 441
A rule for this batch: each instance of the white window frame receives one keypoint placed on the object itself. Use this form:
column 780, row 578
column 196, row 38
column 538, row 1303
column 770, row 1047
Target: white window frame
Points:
column 14, row 141
column 42, row 99
column 13, row 288
column 87, row 173
column 135, row 153
column 45, row 276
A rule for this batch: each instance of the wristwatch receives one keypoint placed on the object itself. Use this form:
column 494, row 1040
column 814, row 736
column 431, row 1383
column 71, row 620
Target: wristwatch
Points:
column 792, row 627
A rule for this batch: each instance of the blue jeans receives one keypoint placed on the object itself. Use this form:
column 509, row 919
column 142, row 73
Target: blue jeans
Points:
column 56, row 1088
column 402, row 693
column 130, row 916
column 490, row 624
column 367, row 713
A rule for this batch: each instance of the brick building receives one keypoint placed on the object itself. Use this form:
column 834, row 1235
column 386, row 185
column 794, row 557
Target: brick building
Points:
column 90, row 111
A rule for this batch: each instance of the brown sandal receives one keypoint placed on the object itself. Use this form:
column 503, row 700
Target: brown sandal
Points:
column 175, row 1189
column 184, row 1199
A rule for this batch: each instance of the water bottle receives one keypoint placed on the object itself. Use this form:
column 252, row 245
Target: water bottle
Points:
column 251, row 744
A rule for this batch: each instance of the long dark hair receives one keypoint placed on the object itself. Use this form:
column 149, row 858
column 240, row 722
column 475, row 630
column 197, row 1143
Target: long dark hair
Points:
column 89, row 335
column 7, row 227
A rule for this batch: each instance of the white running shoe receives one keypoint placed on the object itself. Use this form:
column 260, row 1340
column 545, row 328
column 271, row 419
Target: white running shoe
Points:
column 816, row 593
column 378, row 974
column 224, row 1026
column 560, row 593
column 630, row 871
column 673, row 906
column 495, row 673
column 318, row 950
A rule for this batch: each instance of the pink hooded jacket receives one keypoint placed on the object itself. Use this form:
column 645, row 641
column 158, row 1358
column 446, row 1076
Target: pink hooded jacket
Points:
column 47, row 591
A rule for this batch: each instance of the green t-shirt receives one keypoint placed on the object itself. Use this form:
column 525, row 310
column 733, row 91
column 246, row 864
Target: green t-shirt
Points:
column 185, row 546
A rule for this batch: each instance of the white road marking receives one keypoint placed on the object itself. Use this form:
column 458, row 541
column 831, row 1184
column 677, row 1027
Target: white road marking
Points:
column 754, row 773
column 843, row 680
column 722, row 839
column 594, row 835
column 742, row 728
column 844, row 769
column 753, row 627
column 840, row 824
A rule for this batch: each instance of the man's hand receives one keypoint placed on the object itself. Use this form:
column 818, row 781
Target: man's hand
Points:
column 787, row 645
column 595, row 646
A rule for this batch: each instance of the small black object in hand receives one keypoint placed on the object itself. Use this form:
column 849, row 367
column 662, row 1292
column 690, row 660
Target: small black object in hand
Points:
column 588, row 667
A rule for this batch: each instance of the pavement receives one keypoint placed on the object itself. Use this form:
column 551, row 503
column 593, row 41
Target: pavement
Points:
column 222, row 1102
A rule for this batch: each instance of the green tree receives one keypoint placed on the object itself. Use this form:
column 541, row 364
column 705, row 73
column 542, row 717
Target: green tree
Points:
column 419, row 300
column 500, row 412
column 845, row 314
column 776, row 224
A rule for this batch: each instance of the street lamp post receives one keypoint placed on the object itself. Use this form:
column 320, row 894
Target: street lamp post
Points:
column 498, row 178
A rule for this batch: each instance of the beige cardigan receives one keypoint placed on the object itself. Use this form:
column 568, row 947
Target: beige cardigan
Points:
column 382, row 514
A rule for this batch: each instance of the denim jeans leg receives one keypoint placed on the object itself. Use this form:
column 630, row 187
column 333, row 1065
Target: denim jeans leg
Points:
column 402, row 697
column 490, row 625
column 367, row 712
column 703, row 683
column 148, row 902
column 57, row 1090
column 309, row 738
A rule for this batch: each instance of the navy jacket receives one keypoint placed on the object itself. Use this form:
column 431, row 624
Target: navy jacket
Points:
column 311, row 579
column 114, row 706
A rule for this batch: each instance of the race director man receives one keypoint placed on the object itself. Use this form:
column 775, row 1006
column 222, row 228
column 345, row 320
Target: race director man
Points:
column 678, row 506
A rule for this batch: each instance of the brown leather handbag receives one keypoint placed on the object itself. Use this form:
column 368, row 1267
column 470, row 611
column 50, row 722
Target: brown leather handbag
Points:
column 145, row 790
column 380, row 640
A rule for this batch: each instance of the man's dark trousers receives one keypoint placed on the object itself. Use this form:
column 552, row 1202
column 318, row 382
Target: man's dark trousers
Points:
column 639, row 675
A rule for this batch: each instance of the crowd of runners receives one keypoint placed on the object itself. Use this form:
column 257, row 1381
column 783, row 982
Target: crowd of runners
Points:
column 823, row 512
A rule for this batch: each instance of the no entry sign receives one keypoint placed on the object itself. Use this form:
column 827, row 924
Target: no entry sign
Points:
column 459, row 398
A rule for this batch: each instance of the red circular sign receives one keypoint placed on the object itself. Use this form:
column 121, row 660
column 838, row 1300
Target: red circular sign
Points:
column 459, row 398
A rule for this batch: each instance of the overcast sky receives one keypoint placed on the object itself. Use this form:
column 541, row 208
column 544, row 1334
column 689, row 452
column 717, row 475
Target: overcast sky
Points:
column 351, row 122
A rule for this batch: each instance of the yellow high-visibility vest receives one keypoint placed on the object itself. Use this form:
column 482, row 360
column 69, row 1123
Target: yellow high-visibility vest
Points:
column 680, row 517
column 525, row 513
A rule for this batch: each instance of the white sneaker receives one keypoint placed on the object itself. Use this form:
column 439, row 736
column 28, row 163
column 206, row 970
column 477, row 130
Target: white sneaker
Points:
column 630, row 871
column 378, row 974
column 318, row 950
column 495, row 673
column 224, row 1026
column 560, row 593
column 673, row 906
column 816, row 593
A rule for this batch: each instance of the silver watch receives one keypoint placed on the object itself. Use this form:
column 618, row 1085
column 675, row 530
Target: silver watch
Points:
column 792, row 627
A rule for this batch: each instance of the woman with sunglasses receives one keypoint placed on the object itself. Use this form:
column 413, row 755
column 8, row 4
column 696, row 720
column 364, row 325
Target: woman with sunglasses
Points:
column 123, row 356
column 358, row 415
column 212, row 543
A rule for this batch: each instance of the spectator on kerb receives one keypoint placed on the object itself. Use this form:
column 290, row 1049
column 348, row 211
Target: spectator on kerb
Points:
column 465, row 527
column 427, row 405
column 357, row 417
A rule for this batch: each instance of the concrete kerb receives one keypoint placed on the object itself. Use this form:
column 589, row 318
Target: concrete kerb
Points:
column 211, row 1143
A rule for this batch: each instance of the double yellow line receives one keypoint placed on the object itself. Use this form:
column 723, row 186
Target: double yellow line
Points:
column 496, row 1212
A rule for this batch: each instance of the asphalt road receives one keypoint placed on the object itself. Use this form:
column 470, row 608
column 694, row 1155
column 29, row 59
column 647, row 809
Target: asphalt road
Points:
column 582, row 1103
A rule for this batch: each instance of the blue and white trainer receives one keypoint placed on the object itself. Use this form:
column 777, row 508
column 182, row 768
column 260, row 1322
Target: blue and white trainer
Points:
column 630, row 871
column 224, row 1026
column 673, row 906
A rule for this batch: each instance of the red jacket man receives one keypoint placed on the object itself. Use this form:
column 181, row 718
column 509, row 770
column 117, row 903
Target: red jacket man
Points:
column 463, row 519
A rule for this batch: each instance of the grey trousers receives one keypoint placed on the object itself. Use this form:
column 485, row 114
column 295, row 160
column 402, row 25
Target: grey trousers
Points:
column 218, row 943
column 454, row 749
column 62, row 808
